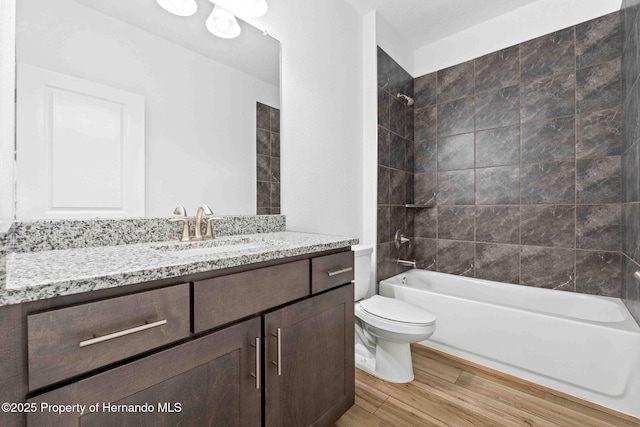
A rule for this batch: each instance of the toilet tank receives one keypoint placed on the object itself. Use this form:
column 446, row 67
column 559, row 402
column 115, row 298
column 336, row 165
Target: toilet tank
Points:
column 362, row 270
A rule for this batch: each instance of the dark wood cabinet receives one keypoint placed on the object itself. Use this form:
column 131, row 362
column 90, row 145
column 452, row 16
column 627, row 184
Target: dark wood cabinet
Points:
column 209, row 381
column 309, row 369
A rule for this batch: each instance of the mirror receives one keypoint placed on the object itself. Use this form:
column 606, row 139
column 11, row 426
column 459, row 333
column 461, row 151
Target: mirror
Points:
column 170, row 110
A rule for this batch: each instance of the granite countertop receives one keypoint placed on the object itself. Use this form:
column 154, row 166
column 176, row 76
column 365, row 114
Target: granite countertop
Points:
column 44, row 274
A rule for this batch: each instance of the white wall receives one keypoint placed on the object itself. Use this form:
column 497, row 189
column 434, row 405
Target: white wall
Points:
column 200, row 114
column 526, row 23
column 321, row 120
column 393, row 44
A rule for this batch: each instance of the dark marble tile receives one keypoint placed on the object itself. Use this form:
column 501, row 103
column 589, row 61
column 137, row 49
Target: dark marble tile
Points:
column 425, row 223
column 551, row 268
column 631, row 118
column 456, row 117
column 631, row 174
column 598, row 227
column 456, row 187
column 263, row 144
column 500, row 263
column 409, row 187
column 631, row 230
column 425, row 90
column 263, row 211
column 409, row 131
column 397, row 221
column 409, row 221
column 384, row 146
column 275, row 144
column 425, row 156
column 275, row 211
column 547, row 55
column 263, row 116
column 547, row 225
column 383, row 185
column 275, row 195
column 456, row 222
column 397, row 152
column 498, row 108
column 599, row 134
column 383, row 224
column 498, row 147
column 264, row 194
column 385, row 263
column 598, row 273
column 397, row 116
column 500, row 224
column 275, row 169
column 630, row 57
column 384, row 116
column 456, row 152
column 548, row 98
column 631, row 288
column 599, row 87
column 264, row 168
column 498, row 185
column 425, row 187
column 547, row 183
column 498, row 69
column 392, row 77
column 549, row 141
column 598, row 180
column 409, row 156
column 425, row 253
column 384, row 68
column 455, row 257
column 397, row 187
column 425, row 122
column 274, row 119
column 455, row 82
column 598, row 40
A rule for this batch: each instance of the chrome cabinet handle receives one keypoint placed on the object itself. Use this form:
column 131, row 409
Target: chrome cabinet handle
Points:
column 257, row 374
column 279, row 362
column 336, row 272
column 122, row 333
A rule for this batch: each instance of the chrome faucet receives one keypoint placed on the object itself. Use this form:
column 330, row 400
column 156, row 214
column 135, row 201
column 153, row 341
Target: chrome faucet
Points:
column 202, row 210
column 180, row 210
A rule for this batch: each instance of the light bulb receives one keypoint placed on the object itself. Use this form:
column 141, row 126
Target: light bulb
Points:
column 222, row 23
column 179, row 7
column 256, row 8
column 244, row 8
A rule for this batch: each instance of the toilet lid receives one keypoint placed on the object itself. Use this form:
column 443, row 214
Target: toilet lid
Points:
column 396, row 310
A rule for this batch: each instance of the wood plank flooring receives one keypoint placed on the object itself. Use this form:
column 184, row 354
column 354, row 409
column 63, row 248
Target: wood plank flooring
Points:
column 449, row 391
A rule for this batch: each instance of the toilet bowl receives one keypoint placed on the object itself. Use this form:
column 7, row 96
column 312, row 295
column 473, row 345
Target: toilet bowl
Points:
column 385, row 327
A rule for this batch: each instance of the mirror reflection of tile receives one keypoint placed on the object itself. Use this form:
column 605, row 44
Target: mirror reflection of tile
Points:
column 268, row 159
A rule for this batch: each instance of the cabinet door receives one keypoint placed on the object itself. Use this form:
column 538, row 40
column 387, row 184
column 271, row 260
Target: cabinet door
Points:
column 205, row 382
column 310, row 374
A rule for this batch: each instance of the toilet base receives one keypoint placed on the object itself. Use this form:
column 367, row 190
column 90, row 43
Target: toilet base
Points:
column 391, row 362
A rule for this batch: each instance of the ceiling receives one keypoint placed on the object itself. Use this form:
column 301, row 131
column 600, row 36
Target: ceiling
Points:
column 422, row 22
column 251, row 52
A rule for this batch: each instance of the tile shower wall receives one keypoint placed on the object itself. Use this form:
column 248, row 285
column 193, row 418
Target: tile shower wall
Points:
column 395, row 164
column 521, row 151
column 268, row 159
column 631, row 155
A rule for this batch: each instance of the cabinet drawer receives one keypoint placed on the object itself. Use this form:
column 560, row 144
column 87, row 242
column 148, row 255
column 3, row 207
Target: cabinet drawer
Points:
column 68, row 342
column 224, row 299
column 330, row 271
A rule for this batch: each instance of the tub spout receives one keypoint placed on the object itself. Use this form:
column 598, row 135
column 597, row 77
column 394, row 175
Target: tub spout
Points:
column 405, row 263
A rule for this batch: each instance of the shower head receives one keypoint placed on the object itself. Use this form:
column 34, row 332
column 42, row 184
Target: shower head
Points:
column 407, row 99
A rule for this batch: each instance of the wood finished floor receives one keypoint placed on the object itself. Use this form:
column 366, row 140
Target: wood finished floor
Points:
column 450, row 392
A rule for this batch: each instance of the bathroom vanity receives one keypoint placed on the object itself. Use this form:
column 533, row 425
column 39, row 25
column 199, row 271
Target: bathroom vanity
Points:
column 264, row 336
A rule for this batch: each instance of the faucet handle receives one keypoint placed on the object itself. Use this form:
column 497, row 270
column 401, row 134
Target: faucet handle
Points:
column 208, row 234
column 207, row 210
column 185, row 228
column 180, row 210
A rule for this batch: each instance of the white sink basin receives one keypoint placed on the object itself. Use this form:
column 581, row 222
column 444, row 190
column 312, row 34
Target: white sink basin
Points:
column 210, row 247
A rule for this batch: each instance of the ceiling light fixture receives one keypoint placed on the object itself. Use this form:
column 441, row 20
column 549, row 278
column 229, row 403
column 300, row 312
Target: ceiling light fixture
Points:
column 244, row 8
column 222, row 23
column 179, row 7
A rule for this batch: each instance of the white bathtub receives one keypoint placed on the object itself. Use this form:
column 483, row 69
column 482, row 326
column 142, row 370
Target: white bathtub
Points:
column 586, row 346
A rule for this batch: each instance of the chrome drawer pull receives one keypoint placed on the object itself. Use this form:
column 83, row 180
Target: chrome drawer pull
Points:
column 344, row 270
column 257, row 374
column 122, row 333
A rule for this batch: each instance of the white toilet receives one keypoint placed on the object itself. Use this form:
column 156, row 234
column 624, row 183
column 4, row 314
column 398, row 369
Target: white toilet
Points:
column 385, row 327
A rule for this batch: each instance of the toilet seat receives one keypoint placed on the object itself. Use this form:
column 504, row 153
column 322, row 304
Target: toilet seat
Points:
column 394, row 310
